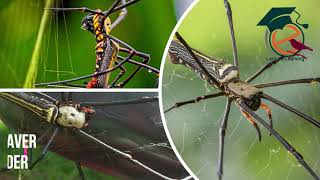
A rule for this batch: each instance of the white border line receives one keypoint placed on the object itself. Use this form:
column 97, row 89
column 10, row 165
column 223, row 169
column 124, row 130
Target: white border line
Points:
column 156, row 90
column 160, row 89
column 79, row 90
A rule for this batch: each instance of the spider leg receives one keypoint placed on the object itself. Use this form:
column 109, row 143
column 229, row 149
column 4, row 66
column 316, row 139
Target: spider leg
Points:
column 291, row 109
column 139, row 54
column 268, row 111
column 63, row 97
column 289, row 148
column 144, row 61
column 205, row 71
column 112, row 7
column 195, row 100
column 45, row 149
column 121, row 73
column 249, row 118
column 121, row 16
column 66, row 97
column 147, row 67
column 266, row 66
column 263, row 68
column 295, row 81
column 125, row 102
column 126, row 156
column 30, row 156
column 80, row 171
column 82, row 9
column 222, row 133
column 131, row 50
column 127, row 48
column 234, row 45
column 124, row 5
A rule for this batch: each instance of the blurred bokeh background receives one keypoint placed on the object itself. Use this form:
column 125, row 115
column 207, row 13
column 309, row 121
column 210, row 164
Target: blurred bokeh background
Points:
column 67, row 51
column 194, row 128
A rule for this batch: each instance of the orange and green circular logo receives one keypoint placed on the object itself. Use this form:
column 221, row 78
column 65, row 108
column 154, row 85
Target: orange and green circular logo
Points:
column 280, row 39
column 284, row 36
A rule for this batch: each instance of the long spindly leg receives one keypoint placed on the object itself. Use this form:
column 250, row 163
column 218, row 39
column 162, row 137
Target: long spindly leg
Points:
column 268, row 111
column 222, row 133
column 295, row 81
column 289, row 148
column 263, row 68
column 124, row 5
column 121, row 73
column 195, row 100
column 121, row 16
column 267, row 66
column 124, row 82
column 254, row 124
column 293, row 110
column 234, row 45
column 128, row 49
column 125, row 156
column 199, row 63
column 111, row 8
column 66, row 98
column 145, row 66
column 124, row 102
column 45, row 149
column 80, row 171
column 87, row 10
column 82, row 9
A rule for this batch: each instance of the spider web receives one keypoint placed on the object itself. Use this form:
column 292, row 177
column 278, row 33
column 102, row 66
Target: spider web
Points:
column 57, row 62
column 194, row 128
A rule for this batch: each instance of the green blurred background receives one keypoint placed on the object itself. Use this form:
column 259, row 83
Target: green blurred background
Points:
column 68, row 51
column 194, row 128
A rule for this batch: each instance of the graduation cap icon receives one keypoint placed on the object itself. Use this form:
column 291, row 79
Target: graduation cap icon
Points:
column 277, row 18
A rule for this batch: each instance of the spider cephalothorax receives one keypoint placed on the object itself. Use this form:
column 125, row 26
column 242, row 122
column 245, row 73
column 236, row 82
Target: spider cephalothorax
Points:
column 246, row 92
column 87, row 23
column 97, row 24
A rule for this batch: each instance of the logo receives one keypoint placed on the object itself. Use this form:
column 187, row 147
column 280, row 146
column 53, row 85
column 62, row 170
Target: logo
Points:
column 285, row 37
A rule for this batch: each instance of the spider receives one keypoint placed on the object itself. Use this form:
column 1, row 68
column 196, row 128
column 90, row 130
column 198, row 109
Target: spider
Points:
column 248, row 97
column 83, row 129
column 98, row 23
